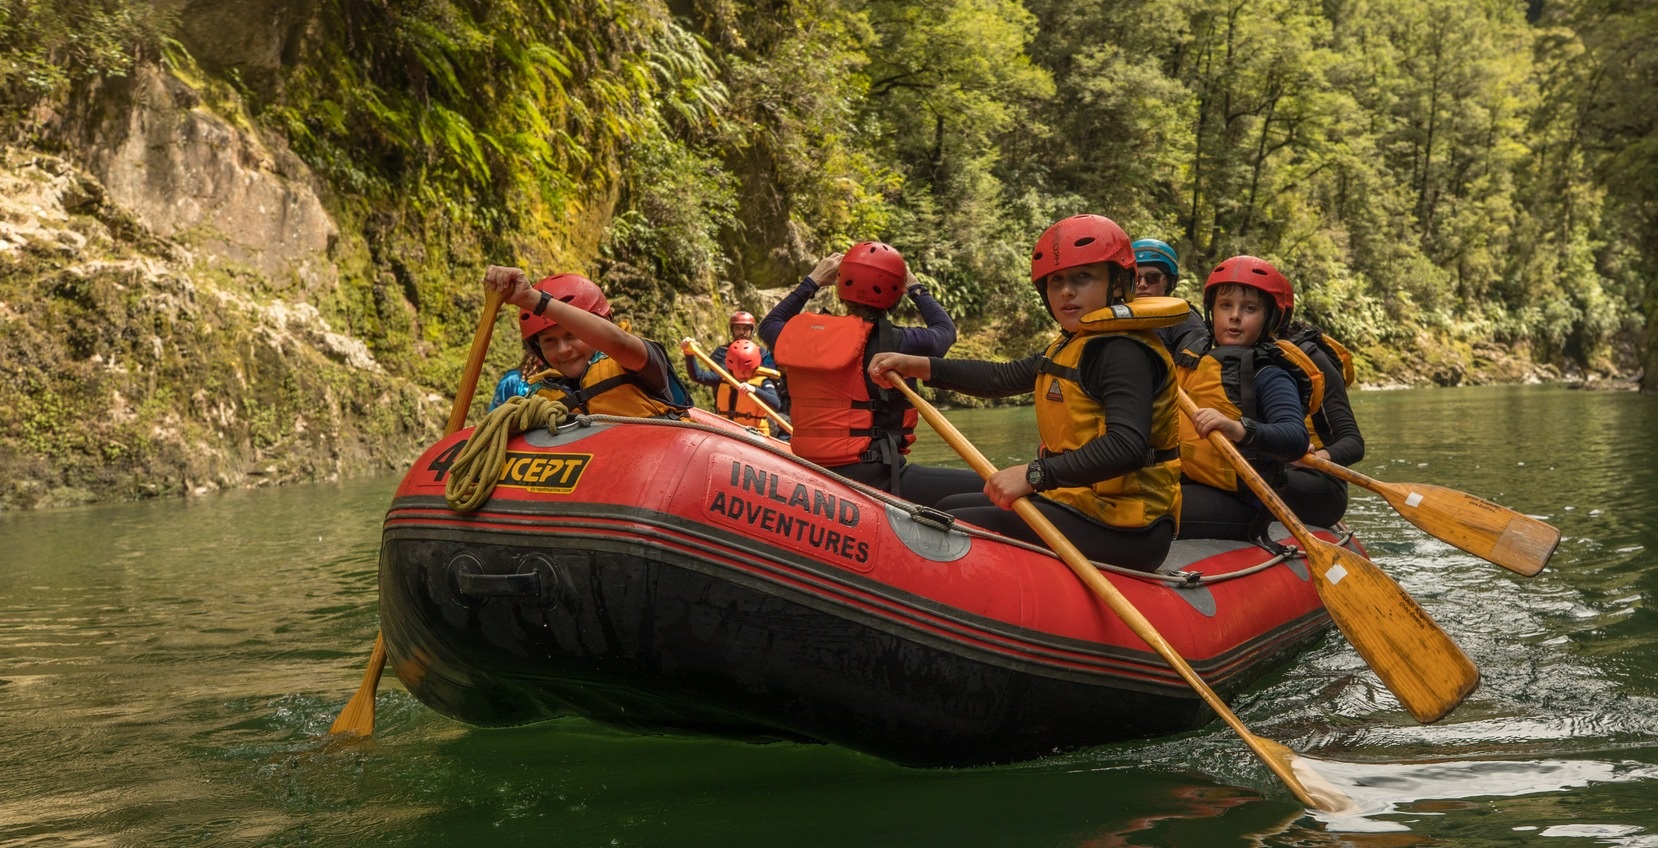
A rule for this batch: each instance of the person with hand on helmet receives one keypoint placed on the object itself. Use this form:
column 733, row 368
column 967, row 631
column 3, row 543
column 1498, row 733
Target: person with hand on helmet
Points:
column 1253, row 390
column 1157, row 272
column 841, row 420
column 742, row 403
column 602, row 369
column 1107, row 473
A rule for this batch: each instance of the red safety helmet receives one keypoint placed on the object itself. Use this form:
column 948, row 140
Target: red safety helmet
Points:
column 574, row 289
column 742, row 319
column 1255, row 273
column 742, row 359
column 1083, row 240
column 873, row 274
column 1080, row 240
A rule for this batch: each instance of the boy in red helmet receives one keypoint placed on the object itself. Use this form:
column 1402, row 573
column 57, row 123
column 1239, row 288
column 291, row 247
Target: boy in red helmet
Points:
column 603, row 369
column 1107, row 474
column 742, row 327
column 1254, row 390
column 741, row 405
column 841, row 420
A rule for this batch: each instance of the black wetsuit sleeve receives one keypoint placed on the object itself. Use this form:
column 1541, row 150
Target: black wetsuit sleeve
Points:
column 658, row 371
column 1337, row 427
column 983, row 378
column 1123, row 376
column 1282, row 433
column 772, row 325
column 934, row 339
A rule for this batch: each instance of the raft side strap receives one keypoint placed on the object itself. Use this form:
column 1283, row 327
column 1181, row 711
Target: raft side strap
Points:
column 912, row 509
column 937, row 519
column 499, row 585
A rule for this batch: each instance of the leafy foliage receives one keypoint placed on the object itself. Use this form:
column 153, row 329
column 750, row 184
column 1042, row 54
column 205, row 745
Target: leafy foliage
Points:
column 1414, row 165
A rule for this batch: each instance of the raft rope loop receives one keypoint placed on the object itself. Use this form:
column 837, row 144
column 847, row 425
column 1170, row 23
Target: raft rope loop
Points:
column 473, row 476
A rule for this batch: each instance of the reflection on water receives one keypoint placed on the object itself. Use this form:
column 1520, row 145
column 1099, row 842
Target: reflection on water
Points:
column 168, row 671
column 1382, row 793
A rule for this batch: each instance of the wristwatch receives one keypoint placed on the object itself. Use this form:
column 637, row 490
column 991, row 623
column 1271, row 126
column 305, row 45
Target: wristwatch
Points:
column 1250, row 425
column 1036, row 474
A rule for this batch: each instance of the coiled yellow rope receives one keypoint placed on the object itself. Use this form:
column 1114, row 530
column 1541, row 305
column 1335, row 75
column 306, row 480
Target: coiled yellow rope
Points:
column 476, row 471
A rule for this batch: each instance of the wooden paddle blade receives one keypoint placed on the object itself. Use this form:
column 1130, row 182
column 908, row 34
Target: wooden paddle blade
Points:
column 1494, row 533
column 1513, row 540
column 1414, row 657
column 1310, row 786
column 358, row 716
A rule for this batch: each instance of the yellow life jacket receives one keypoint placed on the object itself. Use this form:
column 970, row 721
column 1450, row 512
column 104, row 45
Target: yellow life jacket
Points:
column 743, row 407
column 606, row 388
column 1224, row 379
column 1068, row 418
column 1311, row 339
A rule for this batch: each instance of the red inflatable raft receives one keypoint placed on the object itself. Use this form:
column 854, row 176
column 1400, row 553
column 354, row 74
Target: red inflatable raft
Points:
column 685, row 577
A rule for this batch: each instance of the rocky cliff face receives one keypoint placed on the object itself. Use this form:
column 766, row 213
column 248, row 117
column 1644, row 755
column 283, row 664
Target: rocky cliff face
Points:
column 156, row 334
column 184, row 173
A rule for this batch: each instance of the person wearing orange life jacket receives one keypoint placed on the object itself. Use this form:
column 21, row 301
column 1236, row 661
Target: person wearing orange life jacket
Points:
column 841, row 419
column 1108, row 470
column 602, row 369
column 742, row 361
column 1316, row 497
column 1253, row 390
column 742, row 326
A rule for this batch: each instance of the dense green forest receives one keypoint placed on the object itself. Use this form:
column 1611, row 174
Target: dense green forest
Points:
column 1430, row 173
column 1482, row 167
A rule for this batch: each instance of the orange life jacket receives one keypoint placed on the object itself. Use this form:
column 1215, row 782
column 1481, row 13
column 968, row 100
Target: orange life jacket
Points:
column 839, row 416
column 743, row 407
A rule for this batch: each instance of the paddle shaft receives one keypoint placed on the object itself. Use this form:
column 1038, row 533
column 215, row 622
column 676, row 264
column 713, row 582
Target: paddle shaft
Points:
column 1492, row 532
column 357, row 717
column 1276, row 756
column 1413, row 656
column 696, row 350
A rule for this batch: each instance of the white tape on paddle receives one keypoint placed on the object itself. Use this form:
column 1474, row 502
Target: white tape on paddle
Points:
column 1414, row 500
column 1335, row 573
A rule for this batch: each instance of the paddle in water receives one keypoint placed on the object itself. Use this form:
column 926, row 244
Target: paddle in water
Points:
column 1416, row 659
column 1494, row 533
column 1303, row 780
column 358, row 715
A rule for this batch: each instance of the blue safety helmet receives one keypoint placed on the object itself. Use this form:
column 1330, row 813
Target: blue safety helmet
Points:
column 1154, row 252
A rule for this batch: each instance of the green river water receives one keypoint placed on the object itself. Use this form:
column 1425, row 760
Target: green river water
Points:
column 169, row 670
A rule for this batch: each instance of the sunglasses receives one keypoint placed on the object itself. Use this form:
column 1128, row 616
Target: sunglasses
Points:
column 1151, row 277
